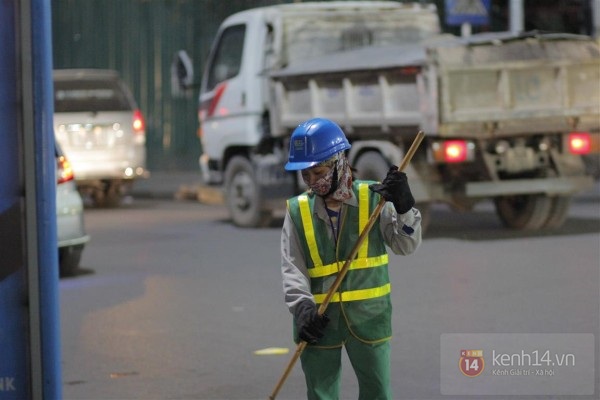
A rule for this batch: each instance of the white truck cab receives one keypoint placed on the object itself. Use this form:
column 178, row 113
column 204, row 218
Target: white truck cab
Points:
column 244, row 145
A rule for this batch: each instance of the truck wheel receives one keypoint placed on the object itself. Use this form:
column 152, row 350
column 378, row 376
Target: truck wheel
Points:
column 524, row 212
column 109, row 196
column 558, row 212
column 113, row 195
column 372, row 166
column 242, row 195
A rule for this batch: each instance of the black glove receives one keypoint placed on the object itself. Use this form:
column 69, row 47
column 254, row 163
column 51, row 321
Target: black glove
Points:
column 395, row 188
column 309, row 324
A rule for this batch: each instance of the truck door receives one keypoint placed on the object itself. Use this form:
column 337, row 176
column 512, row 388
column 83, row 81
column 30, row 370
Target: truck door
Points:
column 222, row 97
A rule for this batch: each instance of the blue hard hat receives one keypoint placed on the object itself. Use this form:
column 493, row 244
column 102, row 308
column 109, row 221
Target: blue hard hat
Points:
column 314, row 141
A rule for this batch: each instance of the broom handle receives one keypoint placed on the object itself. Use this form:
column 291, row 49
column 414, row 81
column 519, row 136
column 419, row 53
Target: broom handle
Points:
column 336, row 284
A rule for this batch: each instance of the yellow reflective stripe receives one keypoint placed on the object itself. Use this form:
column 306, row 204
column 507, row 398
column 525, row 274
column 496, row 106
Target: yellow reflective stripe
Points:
column 355, row 295
column 309, row 231
column 370, row 262
column 363, row 218
column 359, row 263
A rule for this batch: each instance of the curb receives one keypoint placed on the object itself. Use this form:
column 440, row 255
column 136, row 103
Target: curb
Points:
column 201, row 193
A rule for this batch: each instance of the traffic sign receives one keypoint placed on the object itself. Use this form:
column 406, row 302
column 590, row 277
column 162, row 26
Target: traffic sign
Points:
column 474, row 12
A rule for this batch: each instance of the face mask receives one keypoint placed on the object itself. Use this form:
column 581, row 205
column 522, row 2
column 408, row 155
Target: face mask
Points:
column 322, row 186
column 338, row 180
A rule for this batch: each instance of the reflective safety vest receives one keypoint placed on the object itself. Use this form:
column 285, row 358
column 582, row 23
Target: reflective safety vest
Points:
column 362, row 301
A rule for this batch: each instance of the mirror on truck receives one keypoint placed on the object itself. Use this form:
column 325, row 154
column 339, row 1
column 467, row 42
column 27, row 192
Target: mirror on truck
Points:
column 182, row 74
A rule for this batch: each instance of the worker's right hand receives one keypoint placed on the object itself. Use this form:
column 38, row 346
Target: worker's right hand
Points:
column 310, row 325
column 395, row 189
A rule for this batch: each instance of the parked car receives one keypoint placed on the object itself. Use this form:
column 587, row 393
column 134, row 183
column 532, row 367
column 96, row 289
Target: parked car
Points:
column 71, row 233
column 99, row 125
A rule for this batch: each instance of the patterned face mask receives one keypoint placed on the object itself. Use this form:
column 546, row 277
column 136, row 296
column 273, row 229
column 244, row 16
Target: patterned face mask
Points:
column 322, row 186
column 337, row 183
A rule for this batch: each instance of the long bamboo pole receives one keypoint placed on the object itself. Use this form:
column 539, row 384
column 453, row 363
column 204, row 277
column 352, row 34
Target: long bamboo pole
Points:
column 336, row 284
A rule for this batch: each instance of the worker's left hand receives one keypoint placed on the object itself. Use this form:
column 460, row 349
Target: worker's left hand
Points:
column 395, row 189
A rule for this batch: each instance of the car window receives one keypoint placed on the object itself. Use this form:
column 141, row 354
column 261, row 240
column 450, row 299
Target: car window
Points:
column 228, row 56
column 90, row 95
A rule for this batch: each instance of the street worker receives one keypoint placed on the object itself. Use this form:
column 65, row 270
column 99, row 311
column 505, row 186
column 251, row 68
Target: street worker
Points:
column 320, row 229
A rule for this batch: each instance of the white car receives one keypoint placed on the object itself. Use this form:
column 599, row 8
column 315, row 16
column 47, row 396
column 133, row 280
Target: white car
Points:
column 71, row 233
column 99, row 125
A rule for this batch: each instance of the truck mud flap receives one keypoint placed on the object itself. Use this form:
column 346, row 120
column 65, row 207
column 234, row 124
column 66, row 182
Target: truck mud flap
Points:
column 550, row 186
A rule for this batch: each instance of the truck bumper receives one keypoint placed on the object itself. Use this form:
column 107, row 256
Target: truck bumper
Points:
column 209, row 176
column 549, row 186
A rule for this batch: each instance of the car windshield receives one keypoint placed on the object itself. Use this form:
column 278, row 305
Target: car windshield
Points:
column 89, row 95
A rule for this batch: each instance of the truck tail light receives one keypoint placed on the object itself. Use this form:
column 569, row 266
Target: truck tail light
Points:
column 64, row 171
column 579, row 142
column 453, row 151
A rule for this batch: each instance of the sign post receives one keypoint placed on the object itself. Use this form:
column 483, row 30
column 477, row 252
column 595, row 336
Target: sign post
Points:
column 467, row 13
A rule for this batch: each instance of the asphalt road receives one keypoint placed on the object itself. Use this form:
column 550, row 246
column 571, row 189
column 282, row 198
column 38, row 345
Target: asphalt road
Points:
column 172, row 301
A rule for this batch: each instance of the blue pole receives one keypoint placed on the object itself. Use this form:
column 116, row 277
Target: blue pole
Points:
column 13, row 316
column 29, row 318
column 47, row 313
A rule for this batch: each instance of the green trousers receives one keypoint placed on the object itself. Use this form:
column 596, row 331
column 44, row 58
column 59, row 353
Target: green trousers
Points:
column 371, row 363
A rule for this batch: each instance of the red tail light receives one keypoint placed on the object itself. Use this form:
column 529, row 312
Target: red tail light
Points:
column 452, row 151
column 139, row 125
column 455, row 151
column 64, row 171
column 580, row 142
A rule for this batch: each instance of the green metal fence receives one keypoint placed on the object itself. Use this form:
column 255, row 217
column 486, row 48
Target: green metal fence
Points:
column 139, row 38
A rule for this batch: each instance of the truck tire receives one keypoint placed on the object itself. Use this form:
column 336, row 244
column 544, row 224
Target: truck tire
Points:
column 558, row 212
column 113, row 195
column 109, row 196
column 372, row 166
column 523, row 212
column 242, row 195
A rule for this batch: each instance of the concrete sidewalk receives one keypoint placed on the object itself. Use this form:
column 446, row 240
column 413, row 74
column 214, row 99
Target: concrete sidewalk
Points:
column 176, row 185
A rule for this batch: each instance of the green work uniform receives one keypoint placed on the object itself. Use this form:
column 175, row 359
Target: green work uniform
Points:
column 360, row 311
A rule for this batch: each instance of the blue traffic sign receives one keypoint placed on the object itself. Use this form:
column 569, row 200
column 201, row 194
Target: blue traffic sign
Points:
column 474, row 12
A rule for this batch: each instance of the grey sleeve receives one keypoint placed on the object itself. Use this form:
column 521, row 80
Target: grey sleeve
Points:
column 402, row 232
column 296, row 283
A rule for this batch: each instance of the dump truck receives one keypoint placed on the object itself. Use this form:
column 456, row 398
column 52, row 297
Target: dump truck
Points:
column 507, row 117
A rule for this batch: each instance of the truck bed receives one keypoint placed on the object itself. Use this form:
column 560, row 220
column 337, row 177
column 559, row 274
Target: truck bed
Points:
column 488, row 85
column 508, row 85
